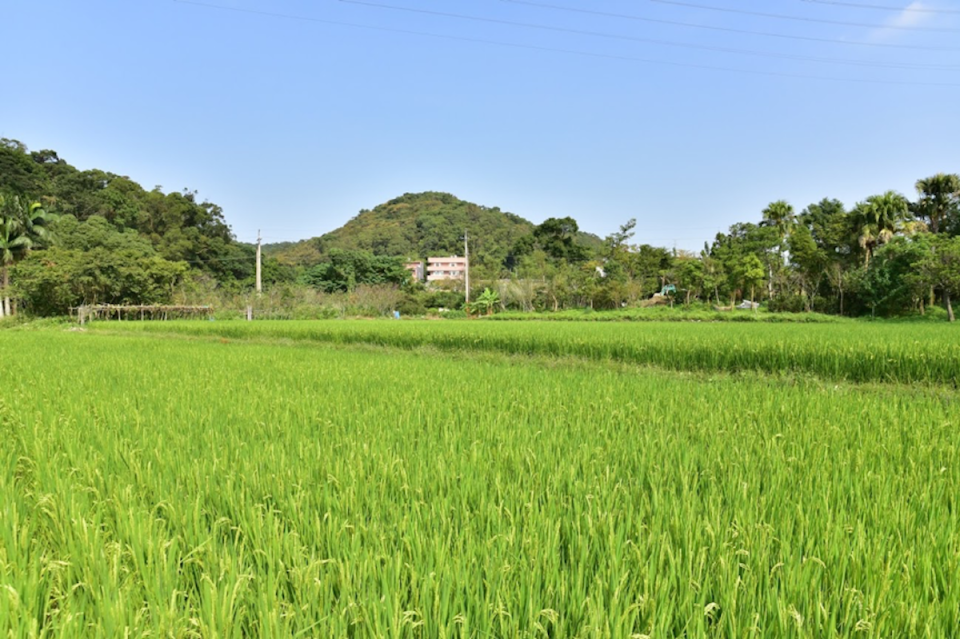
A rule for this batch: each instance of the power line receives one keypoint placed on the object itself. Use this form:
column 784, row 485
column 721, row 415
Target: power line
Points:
column 669, row 43
column 589, row 54
column 780, row 16
column 694, row 25
column 883, row 7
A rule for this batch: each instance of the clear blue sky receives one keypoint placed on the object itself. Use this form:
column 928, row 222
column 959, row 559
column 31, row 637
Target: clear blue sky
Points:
column 295, row 122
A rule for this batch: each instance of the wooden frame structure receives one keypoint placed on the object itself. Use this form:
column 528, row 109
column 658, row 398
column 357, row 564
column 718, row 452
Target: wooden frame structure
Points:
column 141, row 313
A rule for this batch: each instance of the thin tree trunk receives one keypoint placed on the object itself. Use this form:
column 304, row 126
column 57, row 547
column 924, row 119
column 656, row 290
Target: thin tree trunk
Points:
column 6, row 298
column 946, row 299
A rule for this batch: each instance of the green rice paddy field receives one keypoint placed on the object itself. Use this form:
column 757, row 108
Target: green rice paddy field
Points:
column 479, row 479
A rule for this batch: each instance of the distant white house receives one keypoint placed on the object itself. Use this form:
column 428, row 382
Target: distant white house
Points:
column 446, row 268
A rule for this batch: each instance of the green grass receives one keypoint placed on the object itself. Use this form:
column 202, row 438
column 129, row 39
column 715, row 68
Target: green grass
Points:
column 170, row 487
column 667, row 314
column 855, row 351
column 706, row 313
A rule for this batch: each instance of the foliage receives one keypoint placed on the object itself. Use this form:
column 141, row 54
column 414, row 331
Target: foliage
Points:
column 94, row 263
column 556, row 237
column 416, row 226
column 825, row 259
column 780, row 216
column 56, row 280
column 939, row 202
column 23, row 227
column 179, row 227
column 877, row 219
column 487, row 303
column 939, row 268
column 345, row 270
column 889, row 286
column 308, row 502
column 857, row 352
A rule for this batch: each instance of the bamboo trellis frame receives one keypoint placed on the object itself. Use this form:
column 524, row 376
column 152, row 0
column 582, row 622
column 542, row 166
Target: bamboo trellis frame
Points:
column 139, row 312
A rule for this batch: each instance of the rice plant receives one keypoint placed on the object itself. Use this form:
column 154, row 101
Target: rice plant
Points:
column 216, row 488
column 858, row 352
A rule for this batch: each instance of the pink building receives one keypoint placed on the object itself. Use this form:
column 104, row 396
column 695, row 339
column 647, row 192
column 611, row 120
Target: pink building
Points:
column 446, row 268
column 416, row 270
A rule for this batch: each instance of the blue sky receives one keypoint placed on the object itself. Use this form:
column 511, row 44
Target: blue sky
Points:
column 295, row 114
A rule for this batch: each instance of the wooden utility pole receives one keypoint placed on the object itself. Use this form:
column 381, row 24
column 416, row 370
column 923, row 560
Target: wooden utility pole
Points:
column 259, row 268
column 466, row 270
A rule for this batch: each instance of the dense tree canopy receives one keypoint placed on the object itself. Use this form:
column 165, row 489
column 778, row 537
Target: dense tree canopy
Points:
column 117, row 242
column 882, row 257
column 345, row 270
column 939, row 202
column 95, row 263
column 24, row 225
column 417, row 226
column 176, row 224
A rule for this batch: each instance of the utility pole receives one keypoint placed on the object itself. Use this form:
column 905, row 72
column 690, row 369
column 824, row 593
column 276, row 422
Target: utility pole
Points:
column 466, row 271
column 259, row 268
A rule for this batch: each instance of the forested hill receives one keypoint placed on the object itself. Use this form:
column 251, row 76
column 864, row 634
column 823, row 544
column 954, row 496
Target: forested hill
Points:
column 175, row 227
column 70, row 237
column 419, row 225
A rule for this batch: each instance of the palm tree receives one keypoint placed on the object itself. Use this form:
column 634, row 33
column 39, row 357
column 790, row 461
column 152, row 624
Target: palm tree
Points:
column 877, row 220
column 23, row 225
column 939, row 198
column 780, row 216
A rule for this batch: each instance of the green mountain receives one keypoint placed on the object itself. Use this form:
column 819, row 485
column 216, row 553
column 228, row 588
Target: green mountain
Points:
column 119, row 243
column 417, row 226
column 177, row 225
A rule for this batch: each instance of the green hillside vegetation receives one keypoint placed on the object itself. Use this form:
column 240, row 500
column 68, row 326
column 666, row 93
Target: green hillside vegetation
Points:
column 106, row 239
column 416, row 226
column 111, row 240
column 420, row 225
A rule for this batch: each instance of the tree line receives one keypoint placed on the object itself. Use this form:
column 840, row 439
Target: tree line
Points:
column 886, row 256
column 105, row 239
